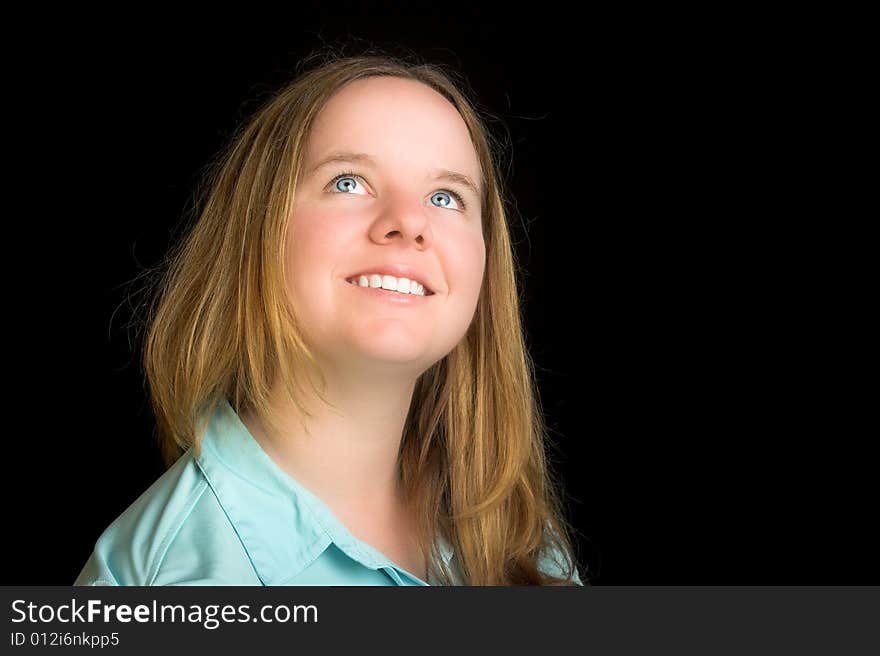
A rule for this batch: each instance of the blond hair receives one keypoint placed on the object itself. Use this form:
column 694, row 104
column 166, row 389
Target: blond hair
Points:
column 472, row 457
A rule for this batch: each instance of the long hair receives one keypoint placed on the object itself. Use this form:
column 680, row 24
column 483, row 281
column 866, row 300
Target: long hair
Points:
column 472, row 457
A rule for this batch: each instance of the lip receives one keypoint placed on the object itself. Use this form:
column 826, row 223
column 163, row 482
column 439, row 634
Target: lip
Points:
column 386, row 295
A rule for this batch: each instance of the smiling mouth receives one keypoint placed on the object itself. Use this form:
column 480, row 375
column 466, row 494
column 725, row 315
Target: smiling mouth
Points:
column 355, row 282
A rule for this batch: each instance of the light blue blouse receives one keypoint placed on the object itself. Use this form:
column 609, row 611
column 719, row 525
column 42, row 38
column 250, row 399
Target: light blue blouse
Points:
column 233, row 517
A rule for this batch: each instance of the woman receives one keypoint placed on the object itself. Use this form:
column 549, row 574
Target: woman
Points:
column 336, row 360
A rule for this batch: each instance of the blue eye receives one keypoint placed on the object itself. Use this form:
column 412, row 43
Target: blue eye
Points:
column 350, row 175
column 458, row 198
column 345, row 176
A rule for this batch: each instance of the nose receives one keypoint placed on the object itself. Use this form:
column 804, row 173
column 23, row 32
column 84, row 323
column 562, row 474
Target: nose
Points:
column 402, row 220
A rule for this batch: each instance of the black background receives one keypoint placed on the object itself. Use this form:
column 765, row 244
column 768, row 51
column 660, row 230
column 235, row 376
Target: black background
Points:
column 705, row 436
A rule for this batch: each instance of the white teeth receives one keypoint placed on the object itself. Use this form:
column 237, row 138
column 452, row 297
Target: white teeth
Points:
column 389, row 282
column 401, row 285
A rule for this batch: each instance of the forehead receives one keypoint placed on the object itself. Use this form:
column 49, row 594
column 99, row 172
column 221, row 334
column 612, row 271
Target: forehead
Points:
column 404, row 124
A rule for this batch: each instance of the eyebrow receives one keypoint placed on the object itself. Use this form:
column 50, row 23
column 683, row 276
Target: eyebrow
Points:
column 364, row 158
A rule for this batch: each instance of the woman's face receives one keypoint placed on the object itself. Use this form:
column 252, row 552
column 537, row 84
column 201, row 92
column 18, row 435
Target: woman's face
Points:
column 392, row 209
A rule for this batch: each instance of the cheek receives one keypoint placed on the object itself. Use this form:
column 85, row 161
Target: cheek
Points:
column 465, row 266
column 313, row 233
column 468, row 262
column 311, row 256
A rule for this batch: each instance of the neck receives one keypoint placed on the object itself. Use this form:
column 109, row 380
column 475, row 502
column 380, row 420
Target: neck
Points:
column 349, row 458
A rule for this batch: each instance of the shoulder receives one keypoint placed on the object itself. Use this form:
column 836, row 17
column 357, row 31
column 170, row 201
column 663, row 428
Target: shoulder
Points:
column 174, row 533
column 557, row 562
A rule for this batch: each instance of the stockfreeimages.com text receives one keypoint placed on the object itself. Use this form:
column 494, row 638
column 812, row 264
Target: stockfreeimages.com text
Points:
column 210, row 615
